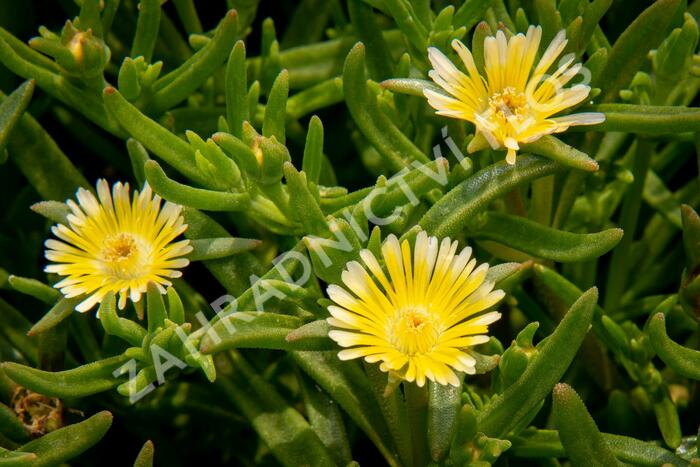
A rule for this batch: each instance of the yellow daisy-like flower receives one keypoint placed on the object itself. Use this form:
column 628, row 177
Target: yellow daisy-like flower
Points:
column 515, row 102
column 419, row 320
column 114, row 244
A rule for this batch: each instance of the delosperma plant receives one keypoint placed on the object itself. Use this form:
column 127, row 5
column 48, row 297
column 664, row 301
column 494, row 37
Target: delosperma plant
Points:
column 342, row 232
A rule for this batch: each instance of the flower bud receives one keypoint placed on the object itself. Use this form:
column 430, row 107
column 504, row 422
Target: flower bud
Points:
column 90, row 54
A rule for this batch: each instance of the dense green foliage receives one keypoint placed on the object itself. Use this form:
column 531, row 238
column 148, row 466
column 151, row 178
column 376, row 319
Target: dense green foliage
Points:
column 279, row 126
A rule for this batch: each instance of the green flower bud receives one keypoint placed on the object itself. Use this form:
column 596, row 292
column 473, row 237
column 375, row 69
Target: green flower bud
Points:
column 271, row 156
column 89, row 53
column 135, row 75
column 512, row 365
column 489, row 449
column 515, row 359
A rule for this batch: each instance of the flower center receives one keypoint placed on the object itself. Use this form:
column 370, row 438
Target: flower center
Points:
column 118, row 248
column 507, row 103
column 414, row 330
column 415, row 322
column 124, row 256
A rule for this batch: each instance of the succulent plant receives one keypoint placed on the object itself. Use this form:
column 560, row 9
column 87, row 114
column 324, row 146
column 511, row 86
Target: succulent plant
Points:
column 368, row 231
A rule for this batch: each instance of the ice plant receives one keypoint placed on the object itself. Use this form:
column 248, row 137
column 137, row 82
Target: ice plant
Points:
column 115, row 244
column 421, row 319
column 269, row 153
column 515, row 102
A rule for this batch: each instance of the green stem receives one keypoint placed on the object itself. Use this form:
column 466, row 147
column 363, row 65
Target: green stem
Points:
column 417, row 410
column 542, row 197
column 52, row 347
column 393, row 409
column 572, row 186
column 188, row 15
column 619, row 264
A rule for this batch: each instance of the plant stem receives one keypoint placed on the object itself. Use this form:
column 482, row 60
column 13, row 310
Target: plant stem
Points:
column 542, row 197
column 394, row 411
column 417, row 409
column 573, row 182
column 619, row 264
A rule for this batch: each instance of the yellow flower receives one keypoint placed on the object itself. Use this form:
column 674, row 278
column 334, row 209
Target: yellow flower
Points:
column 420, row 320
column 515, row 102
column 114, row 244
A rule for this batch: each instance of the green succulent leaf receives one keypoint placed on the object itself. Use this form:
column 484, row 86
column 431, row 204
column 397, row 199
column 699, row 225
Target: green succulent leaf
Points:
column 444, row 403
column 197, row 198
column 377, row 128
column 275, row 110
column 146, row 29
column 174, row 87
column 54, row 211
column 457, row 208
column 215, row 248
column 349, row 386
column 237, row 110
column 682, row 360
column 41, row 161
column 14, row 328
column 554, row 149
column 691, row 237
column 66, row 443
column 34, row 288
column 645, row 119
column 12, row 108
column 327, row 421
column 250, row 329
column 115, row 325
column 234, row 272
column 16, row 459
column 311, row 336
column 545, row 242
column 577, row 430
column 533, row 443
column 284, row 430
column 11, row 426
column 85, row 380
column 226, row 117
column 369, row 33
column 545, row 369
column 629, row 51
column 410, row 86
column 61, row 311
column 151, row 135
column 145, row 456
column 313, row 150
